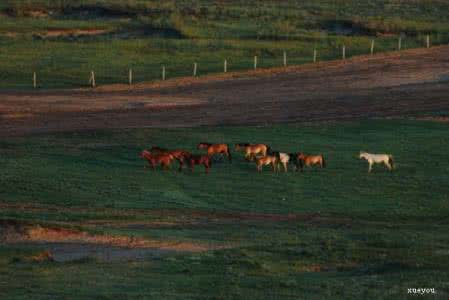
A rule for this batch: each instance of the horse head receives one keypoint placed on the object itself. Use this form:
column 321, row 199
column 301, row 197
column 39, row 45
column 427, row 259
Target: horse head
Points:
column 203, row 145
column 145, row 153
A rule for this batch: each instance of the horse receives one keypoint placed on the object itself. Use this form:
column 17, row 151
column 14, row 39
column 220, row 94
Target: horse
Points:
column 266, row 160
column 216, row 149
column 157, row 159
column 311, row 160
column 299, row 164
column 283, row 158
column 181, row 156
column 204, row 160
column 251, row 150
column 386, row 159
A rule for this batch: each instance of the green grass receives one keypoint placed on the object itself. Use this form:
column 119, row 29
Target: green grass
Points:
column 144, row 35
column 378, row 235
column 103, row 169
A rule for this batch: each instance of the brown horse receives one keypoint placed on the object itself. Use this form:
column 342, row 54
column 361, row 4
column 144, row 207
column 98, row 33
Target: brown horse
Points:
column 216, row 149
column 311, row 160
column 181, row 156
column 267, row 160
column 157, row 159
column 204, row 160
column 251, row 150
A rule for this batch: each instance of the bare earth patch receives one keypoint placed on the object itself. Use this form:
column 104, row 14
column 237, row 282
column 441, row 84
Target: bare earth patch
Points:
column 52, row 33
column 64, row 244
column 384, row 85
column 443, row 119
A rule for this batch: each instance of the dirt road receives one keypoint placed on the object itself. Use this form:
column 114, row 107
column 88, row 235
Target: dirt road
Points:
column 392, row 84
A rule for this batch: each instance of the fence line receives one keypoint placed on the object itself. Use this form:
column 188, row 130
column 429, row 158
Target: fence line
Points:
column 344, row 54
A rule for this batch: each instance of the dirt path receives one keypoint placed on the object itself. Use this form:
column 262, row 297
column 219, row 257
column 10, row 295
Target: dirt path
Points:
column 413, row 81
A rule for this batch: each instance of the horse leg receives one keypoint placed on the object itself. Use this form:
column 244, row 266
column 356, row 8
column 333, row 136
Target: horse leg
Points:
column 370, row 166
column 228, row 154
column 285, row 167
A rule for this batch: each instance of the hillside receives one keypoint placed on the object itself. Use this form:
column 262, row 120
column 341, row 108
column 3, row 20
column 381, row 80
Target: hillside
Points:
column 412, row 82
column 64, row 40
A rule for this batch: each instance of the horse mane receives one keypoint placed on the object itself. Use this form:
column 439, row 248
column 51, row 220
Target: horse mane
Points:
column 157, row 148
column 243, row 144
column 206, row 144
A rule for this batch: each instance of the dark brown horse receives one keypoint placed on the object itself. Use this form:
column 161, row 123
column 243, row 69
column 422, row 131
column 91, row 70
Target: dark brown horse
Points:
column 213, row 149
column 204, row 160
column 157, row 159
column 181, row 156
column 299, row 164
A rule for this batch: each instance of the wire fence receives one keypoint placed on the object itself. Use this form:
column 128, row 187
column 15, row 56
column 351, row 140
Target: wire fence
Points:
column 324, row 51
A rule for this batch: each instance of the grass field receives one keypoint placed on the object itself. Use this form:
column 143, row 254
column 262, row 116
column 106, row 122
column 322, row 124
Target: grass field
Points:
column 355, row 235
column 40, row 36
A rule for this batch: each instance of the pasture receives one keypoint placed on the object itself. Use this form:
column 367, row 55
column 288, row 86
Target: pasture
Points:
column 333, row 232
column 64, row 40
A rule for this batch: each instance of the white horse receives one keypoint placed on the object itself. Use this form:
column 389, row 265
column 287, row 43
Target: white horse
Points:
column 386, row 159
column 284, row 158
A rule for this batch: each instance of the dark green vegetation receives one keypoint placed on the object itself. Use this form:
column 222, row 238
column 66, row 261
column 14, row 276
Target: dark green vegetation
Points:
column 376, row 236
column 51, row 37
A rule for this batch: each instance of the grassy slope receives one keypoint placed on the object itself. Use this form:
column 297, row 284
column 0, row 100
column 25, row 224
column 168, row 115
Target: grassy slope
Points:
column 385, row 232
column 211, row 33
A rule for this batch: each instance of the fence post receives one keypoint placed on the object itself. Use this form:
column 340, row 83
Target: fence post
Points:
column 285, row 59
column 92, row 79
column 399, row 43
column 428, row 41
column 255, row 62
column 163, row 72
column 225, row 66
column 343, row 54
column 194, row 69
column 34, row 80
column 314, row 55
column 130, row 76
column 372, row 47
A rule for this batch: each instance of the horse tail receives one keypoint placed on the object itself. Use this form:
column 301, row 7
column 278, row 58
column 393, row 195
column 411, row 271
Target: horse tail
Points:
column 391, row 161
column 209, row 162
column 229, row 153
column 324, row 161
column 269, row 150
column 278, row 155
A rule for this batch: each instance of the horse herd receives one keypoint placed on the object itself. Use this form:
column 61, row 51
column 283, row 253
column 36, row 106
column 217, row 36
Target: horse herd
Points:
column 260, row 154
